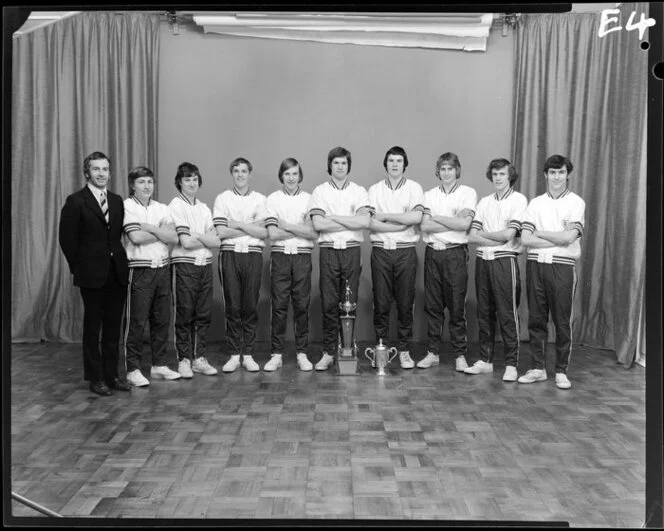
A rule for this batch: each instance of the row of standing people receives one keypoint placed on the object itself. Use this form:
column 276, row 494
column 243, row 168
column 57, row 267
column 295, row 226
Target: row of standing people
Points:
column 395, row 211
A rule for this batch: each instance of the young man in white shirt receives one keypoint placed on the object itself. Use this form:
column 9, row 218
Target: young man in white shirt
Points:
column 340, row 212
column 552, row 227
column 239, row 218
column 149, row 231
column 191, row 262
column 495, row 230
column 397, row 204
column 448, row 212
column 292, row 238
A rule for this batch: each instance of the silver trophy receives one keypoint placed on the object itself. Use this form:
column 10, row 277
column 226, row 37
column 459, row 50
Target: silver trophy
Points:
column 347, row 354
column 381, row 357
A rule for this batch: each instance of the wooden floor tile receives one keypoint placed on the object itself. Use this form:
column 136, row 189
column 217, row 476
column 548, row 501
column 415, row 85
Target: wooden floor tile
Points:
column 416, row 445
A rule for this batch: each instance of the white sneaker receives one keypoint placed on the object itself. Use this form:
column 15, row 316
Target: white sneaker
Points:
column 184, row 368
column 249, row 364
column 232, row 364
column 303, row 362
column 137, row 379
column 202, row 366
column 162, row 371
column 561, row 381
column 325, row 362
column 405, row 360
column 479, row 367
column 461, row 364
column 274, row 363
column 533, row 375
column 430, row 360
column 510, row 374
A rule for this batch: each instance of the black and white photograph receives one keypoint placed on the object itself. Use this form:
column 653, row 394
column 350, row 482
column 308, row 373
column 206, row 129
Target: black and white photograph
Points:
column 298, row 265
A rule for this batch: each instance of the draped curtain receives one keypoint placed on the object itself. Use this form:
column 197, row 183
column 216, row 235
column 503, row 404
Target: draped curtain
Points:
column 585, row 96
column 84, row 84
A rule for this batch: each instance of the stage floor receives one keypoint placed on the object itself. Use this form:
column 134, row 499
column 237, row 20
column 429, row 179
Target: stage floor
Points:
column 416, row 445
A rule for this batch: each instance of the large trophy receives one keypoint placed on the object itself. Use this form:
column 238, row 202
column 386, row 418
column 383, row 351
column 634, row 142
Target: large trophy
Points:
column 347, row 354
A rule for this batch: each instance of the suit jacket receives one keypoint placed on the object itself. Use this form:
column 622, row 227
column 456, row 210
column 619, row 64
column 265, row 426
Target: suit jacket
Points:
column 88, row 243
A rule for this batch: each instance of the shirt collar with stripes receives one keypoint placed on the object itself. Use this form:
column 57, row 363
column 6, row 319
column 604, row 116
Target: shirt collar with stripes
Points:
column 236, row 192
column 562, row 194
column 133, row 196
column 184, row 198
column 296, row 192
column 400, row 184
column 334, row 184
column 507, row 193
column 454, row 188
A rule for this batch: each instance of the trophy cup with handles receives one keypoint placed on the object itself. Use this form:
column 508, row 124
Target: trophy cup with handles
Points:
column 380, row 358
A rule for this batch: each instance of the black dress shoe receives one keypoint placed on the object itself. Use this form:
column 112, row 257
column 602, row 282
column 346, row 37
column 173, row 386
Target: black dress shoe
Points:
column 100, row 388
column 119, row 385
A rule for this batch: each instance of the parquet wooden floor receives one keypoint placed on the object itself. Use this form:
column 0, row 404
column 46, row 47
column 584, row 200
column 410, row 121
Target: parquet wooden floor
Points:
column 416, row 445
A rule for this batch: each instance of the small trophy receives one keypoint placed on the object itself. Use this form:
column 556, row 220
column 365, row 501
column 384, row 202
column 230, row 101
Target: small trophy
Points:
column 381, row 357
column 347, row 353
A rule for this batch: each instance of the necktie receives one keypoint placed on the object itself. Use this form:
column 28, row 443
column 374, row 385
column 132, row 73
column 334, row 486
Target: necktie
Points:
column 104, row 206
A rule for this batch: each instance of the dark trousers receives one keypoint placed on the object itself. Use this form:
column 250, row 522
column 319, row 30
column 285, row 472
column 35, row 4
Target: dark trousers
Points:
column 445, row 286
column 149, row 300
column 290, row 276
column 550, row 288
column 240, row 275
column 393, row 275
column 498, row 288
column 103, row 308
column 336, row 267
column 192, row 292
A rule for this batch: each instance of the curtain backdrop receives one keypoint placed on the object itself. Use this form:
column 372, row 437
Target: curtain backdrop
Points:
column 84, row 84
column 586, row 97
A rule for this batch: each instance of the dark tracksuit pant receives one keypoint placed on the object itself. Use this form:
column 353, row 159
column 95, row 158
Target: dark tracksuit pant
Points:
column 290, row 276
column 192, row 292
column 393, row 275
column 102, row 312
column 337, row 266
column 149, row 299
column 498, row 288
column 550, row 288
column 445, row 286
column 240, row 275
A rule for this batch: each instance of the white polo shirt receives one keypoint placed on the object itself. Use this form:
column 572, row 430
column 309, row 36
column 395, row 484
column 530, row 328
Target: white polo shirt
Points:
column 245, row 208
column 291, row 208
column 547, row 213
column 439, row 203
column 406, row 196
column 349, row 200
column 496, row 213
column 153, row 254
column 190, row 217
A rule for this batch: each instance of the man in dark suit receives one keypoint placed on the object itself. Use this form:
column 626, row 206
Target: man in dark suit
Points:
column 90, row 237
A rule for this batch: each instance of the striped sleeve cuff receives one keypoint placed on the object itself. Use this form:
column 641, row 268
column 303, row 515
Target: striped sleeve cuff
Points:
column 220, row 222
column 271, row 221
column 514, row 224
column 131, row 227
column 364, row 209
column 316, row 212
column 418, row 208
column 426, row 211
column 476, row 225
column 579, row 227
column 527, row 225
column 183, row 230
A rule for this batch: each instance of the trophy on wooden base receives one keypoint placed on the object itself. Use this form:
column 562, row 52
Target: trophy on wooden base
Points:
column 347, row 352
